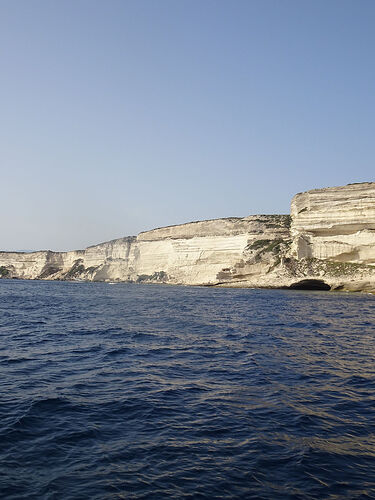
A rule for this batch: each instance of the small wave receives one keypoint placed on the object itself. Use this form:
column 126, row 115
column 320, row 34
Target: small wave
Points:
column 120, row 352
column 15, row 361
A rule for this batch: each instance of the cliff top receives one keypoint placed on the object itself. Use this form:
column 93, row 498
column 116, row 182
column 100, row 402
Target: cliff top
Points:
column 228, row 219
column 350, row 186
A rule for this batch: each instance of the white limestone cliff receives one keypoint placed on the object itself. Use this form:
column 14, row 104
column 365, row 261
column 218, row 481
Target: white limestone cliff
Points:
column 331, row 243
column 193, row 253
column 335, row 223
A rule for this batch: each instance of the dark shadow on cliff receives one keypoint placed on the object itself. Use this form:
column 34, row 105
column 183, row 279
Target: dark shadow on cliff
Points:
column 310, row 285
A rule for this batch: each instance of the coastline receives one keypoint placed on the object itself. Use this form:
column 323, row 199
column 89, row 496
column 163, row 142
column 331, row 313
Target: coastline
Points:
column 327, row 242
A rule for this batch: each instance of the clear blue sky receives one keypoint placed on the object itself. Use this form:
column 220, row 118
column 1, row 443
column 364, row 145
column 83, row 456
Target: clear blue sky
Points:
column 118, row 116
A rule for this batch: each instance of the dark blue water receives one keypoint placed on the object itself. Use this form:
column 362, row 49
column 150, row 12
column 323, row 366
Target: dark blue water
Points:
column 142, row 391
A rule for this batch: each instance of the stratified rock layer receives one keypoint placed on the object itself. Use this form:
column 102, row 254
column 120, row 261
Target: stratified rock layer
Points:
column 335, row 223
column 203, row 252
column 327, row 242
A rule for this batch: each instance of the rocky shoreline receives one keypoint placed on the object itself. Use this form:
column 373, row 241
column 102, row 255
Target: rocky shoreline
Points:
column 327, row 242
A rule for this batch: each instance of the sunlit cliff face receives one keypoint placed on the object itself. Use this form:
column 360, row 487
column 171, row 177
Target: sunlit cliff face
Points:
column 328, row 242
column 335, row 223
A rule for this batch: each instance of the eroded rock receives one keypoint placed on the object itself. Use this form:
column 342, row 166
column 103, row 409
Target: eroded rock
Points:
column 329, row 238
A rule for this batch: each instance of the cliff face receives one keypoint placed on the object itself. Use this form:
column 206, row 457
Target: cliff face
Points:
column 335, row 223
column 83, row 264
column 328, row 241
column 196, row 253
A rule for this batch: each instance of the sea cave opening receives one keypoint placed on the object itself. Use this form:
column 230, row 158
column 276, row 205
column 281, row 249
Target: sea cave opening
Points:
column 310, row 285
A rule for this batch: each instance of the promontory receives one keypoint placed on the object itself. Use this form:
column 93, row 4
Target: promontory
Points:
column 327, row 242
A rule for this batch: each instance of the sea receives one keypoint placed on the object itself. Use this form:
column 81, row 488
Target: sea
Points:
column 123, row 391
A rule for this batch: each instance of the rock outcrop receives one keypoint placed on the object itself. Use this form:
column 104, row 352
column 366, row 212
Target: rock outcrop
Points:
column 328, row 242
column 205, row 252
column 335, row 223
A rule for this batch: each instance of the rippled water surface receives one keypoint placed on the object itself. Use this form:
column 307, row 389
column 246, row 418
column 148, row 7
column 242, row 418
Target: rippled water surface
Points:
column 142, row 391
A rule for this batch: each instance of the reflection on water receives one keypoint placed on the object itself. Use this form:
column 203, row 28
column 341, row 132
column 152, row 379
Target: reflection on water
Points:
column 178, row 392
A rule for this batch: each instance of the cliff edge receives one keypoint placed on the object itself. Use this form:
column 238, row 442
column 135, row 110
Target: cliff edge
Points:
column 328, row 242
